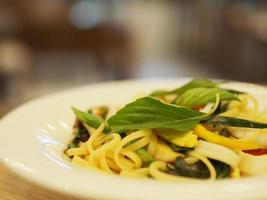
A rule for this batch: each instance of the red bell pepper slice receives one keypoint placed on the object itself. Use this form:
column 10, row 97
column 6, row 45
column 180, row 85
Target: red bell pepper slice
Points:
column 256, row 152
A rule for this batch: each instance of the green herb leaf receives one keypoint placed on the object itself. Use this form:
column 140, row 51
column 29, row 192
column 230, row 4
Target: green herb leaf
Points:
column 202, row 96
column 89, row 119
column 151, row 113
column 195, row 83
column 234, row 122
column 158, row 93
column 235, row 92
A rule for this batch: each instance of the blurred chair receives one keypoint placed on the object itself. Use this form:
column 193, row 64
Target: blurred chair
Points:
column 15, row 62
column 47, row 26
column 228, row 37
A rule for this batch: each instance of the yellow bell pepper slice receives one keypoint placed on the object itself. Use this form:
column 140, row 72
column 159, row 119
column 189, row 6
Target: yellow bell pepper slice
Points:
column 231, row 143
column 181, row 139
column 165, row 153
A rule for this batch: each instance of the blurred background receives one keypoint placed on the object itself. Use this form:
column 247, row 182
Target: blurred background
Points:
column 50, row 45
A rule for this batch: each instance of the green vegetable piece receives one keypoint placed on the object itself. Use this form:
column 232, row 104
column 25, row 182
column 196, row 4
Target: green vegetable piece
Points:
column 180, row 149
column 234, row 122
column 148, row 112
column 202, row 96
column 195, row 83
column 145, row 156
column 72, row 145
column 222, row 170
column 222, row 107
column 83, row 134
column 89, row 119
column 199, row 170
column 196, row 170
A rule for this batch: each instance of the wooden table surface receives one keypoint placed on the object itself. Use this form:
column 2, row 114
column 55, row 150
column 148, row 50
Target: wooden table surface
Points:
column 13, row 187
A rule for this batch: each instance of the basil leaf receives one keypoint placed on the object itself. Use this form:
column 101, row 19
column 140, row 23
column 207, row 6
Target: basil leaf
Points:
column 151, row 113
column 195, row 83
column 158, row 93
column 235, row 122
column 89, row 119
column 202, row 96
column 235, row 92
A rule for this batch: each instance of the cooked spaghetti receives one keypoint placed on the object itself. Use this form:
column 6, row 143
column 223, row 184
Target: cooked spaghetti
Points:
column 196, row 132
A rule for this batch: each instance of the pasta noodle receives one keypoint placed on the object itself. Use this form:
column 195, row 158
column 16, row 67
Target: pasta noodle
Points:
column 208, row 151
column 218, row 152
column 114, row 156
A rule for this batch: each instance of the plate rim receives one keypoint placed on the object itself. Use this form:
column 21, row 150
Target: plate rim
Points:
column 88, row 86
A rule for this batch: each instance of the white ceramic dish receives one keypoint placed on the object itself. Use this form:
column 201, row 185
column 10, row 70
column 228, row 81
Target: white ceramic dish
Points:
column 33, row 136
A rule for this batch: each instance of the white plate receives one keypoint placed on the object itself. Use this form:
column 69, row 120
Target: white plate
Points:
column 33, row 136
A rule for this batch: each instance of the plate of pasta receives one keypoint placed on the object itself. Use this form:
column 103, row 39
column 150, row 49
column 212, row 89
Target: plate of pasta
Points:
column 143, row 139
